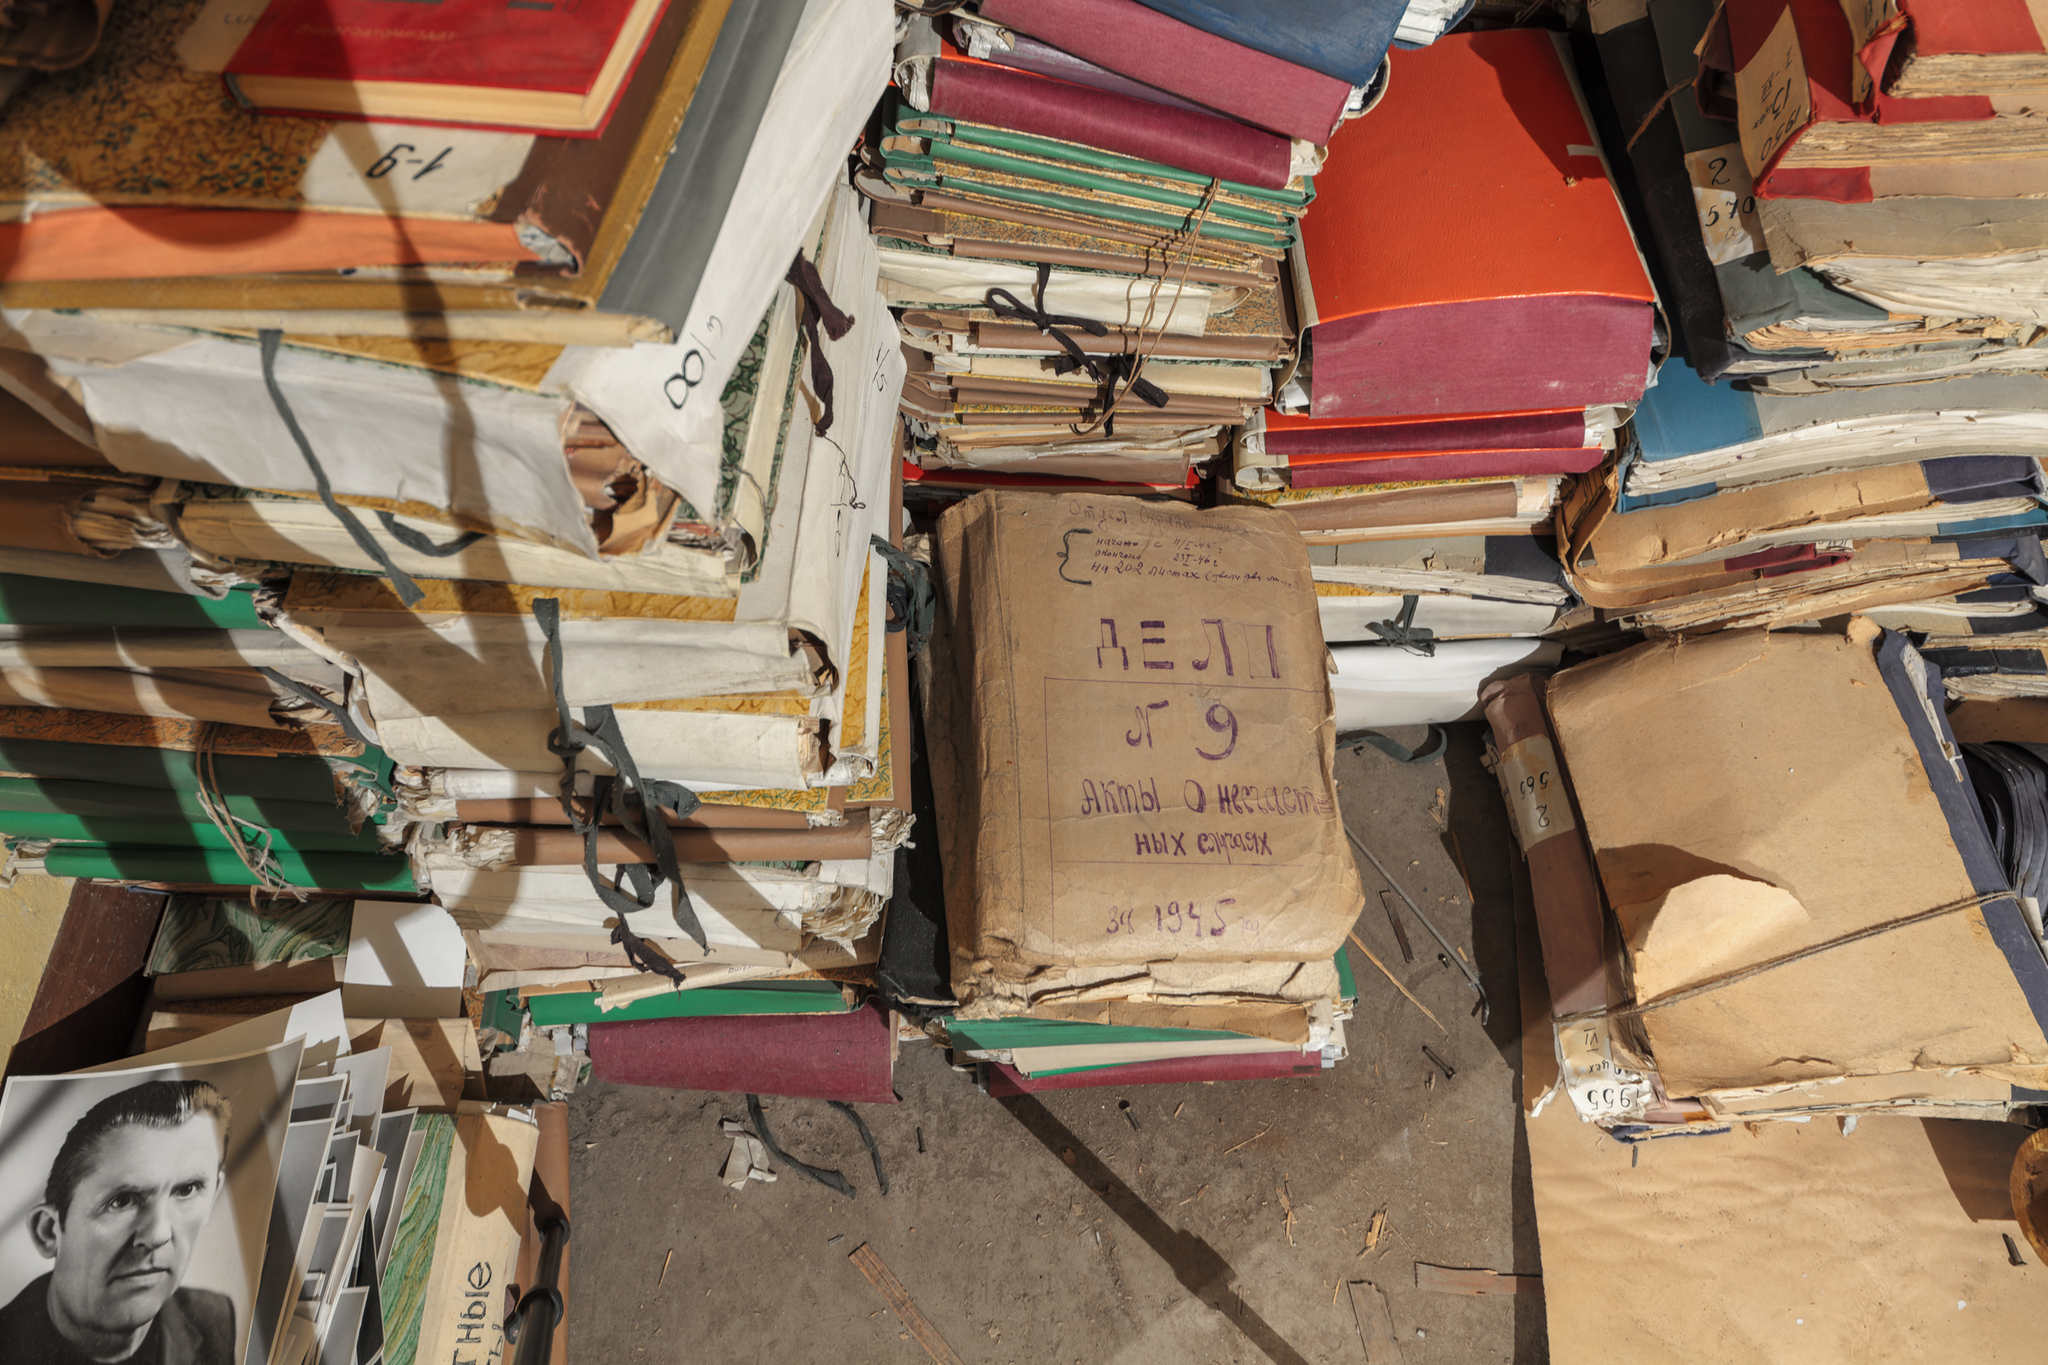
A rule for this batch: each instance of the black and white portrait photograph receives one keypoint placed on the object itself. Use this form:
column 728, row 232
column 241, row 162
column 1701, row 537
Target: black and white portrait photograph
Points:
column 133, row 1209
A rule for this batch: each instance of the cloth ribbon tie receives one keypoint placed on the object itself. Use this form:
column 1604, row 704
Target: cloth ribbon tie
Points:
column 1104, row 370
column 1403, row 631
column 640, row 819
column 818, row 308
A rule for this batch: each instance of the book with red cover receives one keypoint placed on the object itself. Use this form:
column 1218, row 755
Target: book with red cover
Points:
column 1960, row 47
column 1125, row 37
column 546, row 66
column 1466, row 252
column 1332, row 453
column 1812, row 121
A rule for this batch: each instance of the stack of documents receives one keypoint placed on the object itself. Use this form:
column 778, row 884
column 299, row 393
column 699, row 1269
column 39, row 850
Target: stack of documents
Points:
column 1848, row 272
column 150, row 732
column 1448, row 386
column 1086, row 250
column 372, row 539
column 1734, row 507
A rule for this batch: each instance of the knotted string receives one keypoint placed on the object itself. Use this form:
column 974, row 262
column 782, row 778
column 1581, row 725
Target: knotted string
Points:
column 408, row 591
column 1104, row 370
column 912, row 604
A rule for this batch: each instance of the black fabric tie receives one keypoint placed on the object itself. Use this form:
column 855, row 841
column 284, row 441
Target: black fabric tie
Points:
column 1107, row 371
column 1009, row 308
column 818, row 307
column 911, row 601
column 1403, row 631
column 408, row 591
column 640, row 820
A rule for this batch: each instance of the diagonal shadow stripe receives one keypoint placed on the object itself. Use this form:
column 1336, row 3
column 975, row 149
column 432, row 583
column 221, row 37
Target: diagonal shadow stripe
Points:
column 1197, row 1265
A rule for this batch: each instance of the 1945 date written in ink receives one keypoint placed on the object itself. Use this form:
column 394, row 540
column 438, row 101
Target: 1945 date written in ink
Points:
column 1198, row 919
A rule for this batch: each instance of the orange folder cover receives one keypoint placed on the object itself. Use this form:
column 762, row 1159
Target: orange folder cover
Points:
column 1466, row 252
column 103, row 243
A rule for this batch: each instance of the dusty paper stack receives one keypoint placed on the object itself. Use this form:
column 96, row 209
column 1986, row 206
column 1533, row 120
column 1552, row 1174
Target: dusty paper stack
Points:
column 1131, row 756
column 1870, row 446
column 1460, row 359
column 1082, row 212
column 155, row 729
column 352, row 1206
column 475, row 504
column 1916, row 504
column 1821, row 278
column 774, row 705
column 1738, row 945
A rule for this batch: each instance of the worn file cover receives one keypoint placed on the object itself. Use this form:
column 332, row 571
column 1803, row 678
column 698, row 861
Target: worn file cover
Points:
column 1141, row 760
column 1194, row 140
column 1806, row 796
column 1507, row 280
column 1341, row 38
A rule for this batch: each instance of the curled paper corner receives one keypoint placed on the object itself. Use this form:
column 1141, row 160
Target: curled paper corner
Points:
column 1705, row 926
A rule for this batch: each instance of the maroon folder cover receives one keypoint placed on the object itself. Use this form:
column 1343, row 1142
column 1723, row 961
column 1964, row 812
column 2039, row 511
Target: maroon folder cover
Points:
column 1445, row 464
column 850, row 1057
column 1207, row 144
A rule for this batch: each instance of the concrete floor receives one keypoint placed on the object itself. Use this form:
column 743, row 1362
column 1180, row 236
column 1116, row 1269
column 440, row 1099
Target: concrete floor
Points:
column 1046, row 1230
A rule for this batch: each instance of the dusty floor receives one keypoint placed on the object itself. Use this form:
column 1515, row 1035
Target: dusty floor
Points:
column 1045, row 1229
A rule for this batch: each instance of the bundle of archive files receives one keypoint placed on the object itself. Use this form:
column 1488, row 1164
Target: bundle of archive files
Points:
column 1852, row 422
column 480, row 510
column 1084, row 210
column 1729, row 957
column 1459, row 363
column 1086, row 214
column 341, row 1199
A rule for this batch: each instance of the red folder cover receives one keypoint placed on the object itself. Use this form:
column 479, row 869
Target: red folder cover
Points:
column 1826, row 52
column 483, row 47
column 1296, row 436
column 1125, row 37
column 450, row 42
column 1952, row 28
column 1466, row 252
column 1323, row 471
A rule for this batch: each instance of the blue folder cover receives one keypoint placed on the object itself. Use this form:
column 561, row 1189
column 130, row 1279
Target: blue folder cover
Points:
column 1341, row 38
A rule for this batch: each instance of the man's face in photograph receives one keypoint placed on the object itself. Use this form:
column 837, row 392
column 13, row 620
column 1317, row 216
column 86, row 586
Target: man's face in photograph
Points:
column 122, row 1246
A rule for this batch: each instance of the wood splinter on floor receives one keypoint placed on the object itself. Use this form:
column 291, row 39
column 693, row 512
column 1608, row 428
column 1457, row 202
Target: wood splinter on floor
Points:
column 1250, row 1140
column 1444, row 1279
column 899, row 1300
column 1372, row 1234
column 664, row 1267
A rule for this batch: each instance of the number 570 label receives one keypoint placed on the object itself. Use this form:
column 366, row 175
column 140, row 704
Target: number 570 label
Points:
column 1726, row 201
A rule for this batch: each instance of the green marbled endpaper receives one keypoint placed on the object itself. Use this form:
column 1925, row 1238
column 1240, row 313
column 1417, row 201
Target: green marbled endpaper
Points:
column 404, row 1287
column 203, row 932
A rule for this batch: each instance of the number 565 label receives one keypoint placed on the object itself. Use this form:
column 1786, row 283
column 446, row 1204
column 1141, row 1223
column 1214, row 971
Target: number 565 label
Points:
column 1537, row 805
